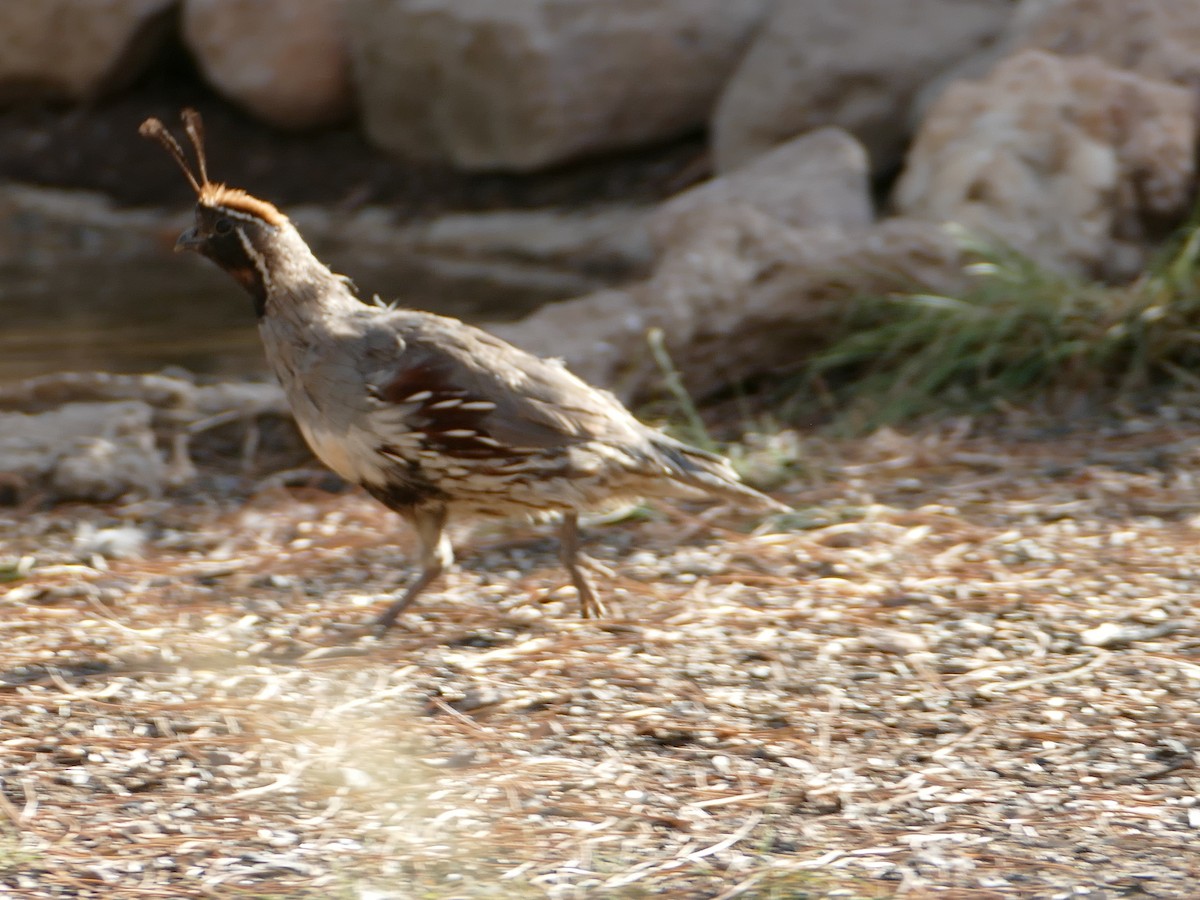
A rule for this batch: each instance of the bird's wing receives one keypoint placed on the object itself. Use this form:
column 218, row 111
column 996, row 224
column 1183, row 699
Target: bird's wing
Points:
column 470, row 394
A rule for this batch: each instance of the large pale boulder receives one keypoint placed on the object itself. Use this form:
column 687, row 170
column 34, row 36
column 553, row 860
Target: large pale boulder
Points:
column 525, row 84
column 851, row 63
column 820, row 178
column 286, row 61
column 1156, row 38
column 740, row 295
column 76, row 49
column 1068, row 160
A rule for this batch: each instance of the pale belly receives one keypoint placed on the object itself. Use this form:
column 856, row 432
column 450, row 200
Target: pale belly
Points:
column 352, row 454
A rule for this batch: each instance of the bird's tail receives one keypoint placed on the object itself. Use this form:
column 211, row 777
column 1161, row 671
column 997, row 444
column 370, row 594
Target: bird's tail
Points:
column 711, row 474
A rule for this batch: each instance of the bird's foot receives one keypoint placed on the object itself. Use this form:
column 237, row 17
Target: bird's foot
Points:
column 590, row 605
column 596, row 566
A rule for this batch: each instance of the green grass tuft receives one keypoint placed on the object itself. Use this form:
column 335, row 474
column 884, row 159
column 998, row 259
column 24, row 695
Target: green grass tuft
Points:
column 694, row 431
column 1019, row 329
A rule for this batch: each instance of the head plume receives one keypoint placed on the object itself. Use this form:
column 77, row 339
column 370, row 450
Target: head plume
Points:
column 208, row 193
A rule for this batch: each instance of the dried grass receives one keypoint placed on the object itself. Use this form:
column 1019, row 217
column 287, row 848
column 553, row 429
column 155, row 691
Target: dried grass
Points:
column 973, row 674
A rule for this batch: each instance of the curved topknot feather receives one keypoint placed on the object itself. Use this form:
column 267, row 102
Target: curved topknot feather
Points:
column 213, row 194
column 155, row 130
column 208, row 193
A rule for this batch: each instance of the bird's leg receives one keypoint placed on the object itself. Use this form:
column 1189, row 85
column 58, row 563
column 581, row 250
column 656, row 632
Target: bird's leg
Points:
column 436, row 554
column 589, row 604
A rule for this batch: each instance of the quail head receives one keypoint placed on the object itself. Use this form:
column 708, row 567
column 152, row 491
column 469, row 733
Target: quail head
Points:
column 433, row 417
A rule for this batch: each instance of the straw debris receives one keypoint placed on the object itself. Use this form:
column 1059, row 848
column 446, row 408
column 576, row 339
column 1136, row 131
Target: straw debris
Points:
column 975, row 671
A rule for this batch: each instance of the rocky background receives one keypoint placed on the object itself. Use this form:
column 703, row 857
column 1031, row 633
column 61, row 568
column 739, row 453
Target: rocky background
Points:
column 732, row 172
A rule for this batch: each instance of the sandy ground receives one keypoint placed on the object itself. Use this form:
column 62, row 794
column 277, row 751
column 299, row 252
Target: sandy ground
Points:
column 967, row 667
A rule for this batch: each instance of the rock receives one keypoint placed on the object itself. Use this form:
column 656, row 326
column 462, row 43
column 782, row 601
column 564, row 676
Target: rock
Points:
column 741, row 295
column 89, row 388
column 814, row 64
column 512, row 261
column 490, row 265
column 818, row 179
column 42, row 227
column 286, row 61
column 1068, row 160
column 98, row 436
column 525, row 84
column 76, row 49
column 599, row 239
column 1156, row 38
column 118, row 542
column 101, row 470
column 84, row 451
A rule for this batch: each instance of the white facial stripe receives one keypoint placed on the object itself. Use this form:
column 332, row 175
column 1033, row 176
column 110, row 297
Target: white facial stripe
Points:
column 257, row 258
column 238, row 214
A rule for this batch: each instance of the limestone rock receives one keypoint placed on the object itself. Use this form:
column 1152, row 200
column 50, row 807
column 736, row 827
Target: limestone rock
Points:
column 851, row 63
column 1156, row 38
column 76, row 49
column 286, row 61
column 1068, row 160
column 126, row 541
column 84, row 451
column 741, row 295
column 525, row 84
column 820, row 178
column 103, row 469
column 41, row 227
column 98, row 436
column 593, row 239
column 503, row 264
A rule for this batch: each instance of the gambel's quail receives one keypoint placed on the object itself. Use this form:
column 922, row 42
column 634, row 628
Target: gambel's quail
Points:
column 431, row 416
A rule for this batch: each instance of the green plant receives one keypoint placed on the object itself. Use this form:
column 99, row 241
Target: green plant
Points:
column 15, row 570
column 14, row 857
column 1017, row 329
column 695, row 432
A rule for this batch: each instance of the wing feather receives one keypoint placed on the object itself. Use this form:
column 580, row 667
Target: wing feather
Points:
column 472, row 394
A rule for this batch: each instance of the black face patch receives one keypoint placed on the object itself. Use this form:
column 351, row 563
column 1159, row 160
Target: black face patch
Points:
column 251, row 279
column 222, row 238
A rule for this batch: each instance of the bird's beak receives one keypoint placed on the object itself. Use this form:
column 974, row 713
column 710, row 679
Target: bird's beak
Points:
column 189, row 240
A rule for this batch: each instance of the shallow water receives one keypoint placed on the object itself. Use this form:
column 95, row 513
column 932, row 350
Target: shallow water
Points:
column 88, row 341
column 78, row 318
column 85, row 317
column 85, row 286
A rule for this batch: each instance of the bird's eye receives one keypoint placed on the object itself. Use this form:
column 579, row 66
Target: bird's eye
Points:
column 223, row 226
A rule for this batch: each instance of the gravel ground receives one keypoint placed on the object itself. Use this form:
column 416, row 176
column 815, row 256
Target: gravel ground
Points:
column 967, row 667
